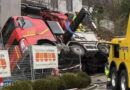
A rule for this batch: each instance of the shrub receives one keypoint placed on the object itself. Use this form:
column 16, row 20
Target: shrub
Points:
column 70, row 80
column 8, row 88
column 47, row 84
column 82, row 82
column 58, row 82
column 84, row 75
column 22, row 85
column 19, row 85
column 39, row 84
column 50, row 85
column 66, row 81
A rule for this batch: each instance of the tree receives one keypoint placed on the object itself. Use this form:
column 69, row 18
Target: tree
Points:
column 125, row 7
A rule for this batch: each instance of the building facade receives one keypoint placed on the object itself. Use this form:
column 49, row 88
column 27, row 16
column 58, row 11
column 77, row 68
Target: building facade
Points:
column 9, row 8
column 59, row 5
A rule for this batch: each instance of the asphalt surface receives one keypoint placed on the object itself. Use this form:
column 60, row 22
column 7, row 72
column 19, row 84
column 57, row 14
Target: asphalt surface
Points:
column 100, row 81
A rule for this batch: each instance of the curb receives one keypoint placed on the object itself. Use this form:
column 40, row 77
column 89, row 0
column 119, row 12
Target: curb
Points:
column 91, row 87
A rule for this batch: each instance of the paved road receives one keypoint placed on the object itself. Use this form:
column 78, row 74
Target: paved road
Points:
column 100, row 81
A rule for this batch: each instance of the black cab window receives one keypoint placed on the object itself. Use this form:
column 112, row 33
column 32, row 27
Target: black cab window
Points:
column 116, row 51
column 8, row 29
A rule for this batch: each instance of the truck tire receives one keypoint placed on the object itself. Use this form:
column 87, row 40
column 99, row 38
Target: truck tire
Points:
column 123, row 80
column 77, row 49
column 114, row 78
column 103, row 49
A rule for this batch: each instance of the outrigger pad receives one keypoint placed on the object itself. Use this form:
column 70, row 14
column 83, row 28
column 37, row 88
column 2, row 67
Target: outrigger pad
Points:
column 55, row 27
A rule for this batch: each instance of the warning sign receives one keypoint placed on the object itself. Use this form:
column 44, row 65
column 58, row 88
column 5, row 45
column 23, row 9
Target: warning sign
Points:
column 44, row 57
column 4, row 64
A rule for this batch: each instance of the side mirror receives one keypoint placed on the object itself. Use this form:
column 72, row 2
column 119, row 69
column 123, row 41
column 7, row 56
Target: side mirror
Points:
column 21, row 21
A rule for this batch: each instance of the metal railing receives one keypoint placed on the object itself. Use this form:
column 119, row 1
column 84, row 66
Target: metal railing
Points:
column 22, row 68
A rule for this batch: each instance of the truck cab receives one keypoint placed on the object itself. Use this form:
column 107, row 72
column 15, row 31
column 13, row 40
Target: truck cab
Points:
column 20, row 32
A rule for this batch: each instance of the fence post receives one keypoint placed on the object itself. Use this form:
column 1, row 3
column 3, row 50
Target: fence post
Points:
column 31, row 63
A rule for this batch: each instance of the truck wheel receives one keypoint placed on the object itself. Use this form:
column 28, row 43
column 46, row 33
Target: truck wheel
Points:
column 123, row 80
column 77, row 49
column 103, row 49
column 113, row 76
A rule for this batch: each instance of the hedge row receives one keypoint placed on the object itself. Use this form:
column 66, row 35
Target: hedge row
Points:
column 65, row 81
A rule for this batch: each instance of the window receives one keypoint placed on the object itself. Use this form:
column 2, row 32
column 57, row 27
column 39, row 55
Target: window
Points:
column 8, row 29
column 116, row 51
column 27, row 24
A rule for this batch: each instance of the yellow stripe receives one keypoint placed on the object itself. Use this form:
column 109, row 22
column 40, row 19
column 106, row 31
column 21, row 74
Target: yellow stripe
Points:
column 38, row 34
column 17, row 52
column 29, row 35
column 44, row 31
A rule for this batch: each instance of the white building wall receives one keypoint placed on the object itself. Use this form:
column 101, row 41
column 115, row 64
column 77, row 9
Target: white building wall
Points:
column 77, row 5
column 9, row 8
column 62, row 6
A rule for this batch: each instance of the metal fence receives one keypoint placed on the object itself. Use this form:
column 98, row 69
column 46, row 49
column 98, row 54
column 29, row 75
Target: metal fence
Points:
column 22, row 65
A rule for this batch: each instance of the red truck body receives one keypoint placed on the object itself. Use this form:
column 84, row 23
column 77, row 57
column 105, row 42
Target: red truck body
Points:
column 21, row 37
column 56, row 16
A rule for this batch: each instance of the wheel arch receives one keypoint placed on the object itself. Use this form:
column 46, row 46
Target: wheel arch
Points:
column 75, row 42
column 72, row 42
column 122, row 66
column 113, row 64
column 41, row 41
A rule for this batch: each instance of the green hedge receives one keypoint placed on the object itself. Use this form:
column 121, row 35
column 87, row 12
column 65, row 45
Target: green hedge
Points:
column 84, row 75
column 59, row 82
column 65, row 81
column 70, row 80
column 20, row 85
